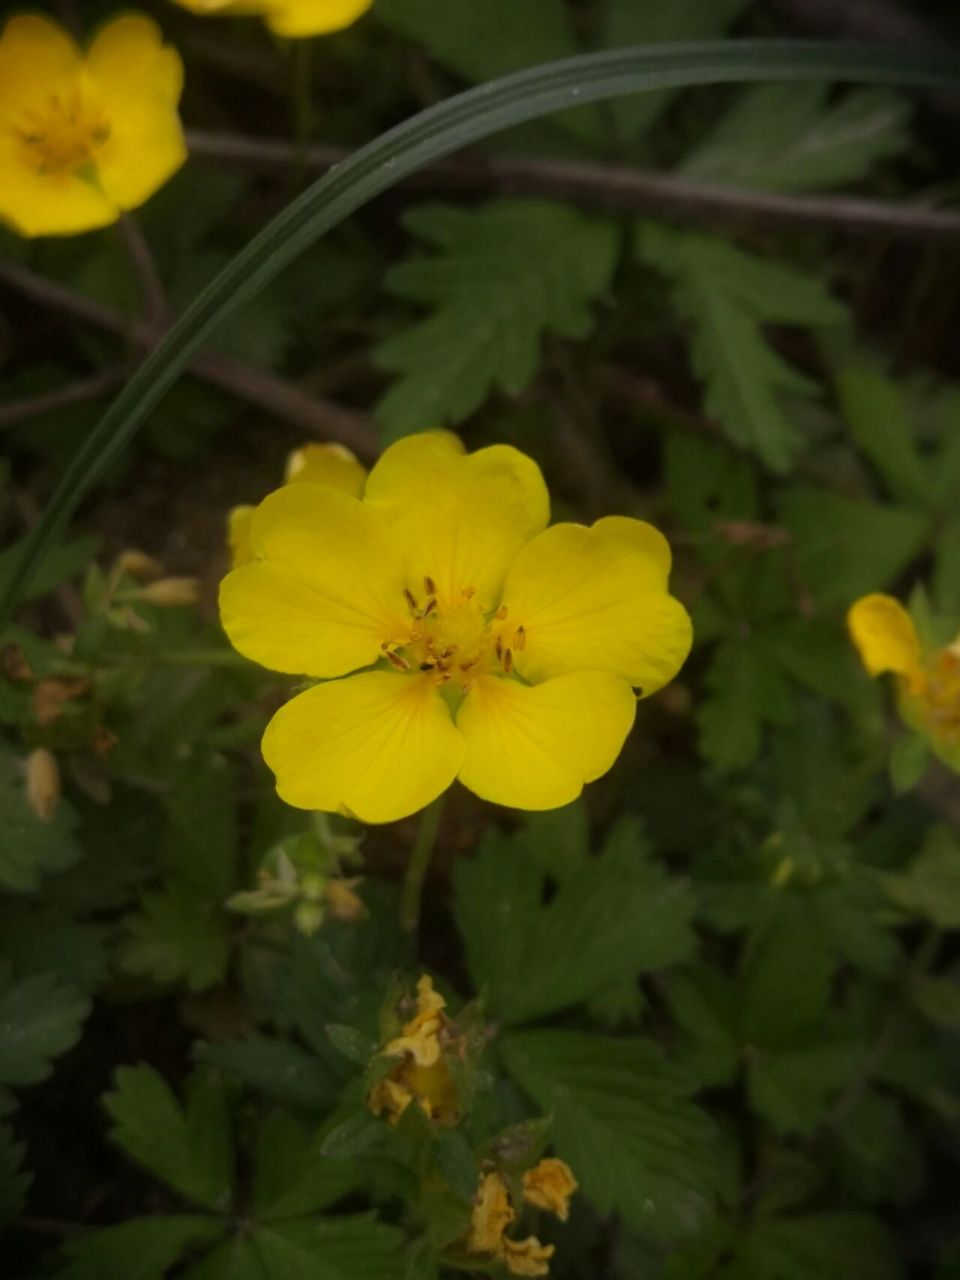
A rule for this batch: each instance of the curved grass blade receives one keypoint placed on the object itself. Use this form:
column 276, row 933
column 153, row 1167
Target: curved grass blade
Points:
column 437, row 132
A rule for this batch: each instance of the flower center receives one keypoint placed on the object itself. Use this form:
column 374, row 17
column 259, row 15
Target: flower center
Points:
column 455, row 642
column 943, row 691
column 62, row 135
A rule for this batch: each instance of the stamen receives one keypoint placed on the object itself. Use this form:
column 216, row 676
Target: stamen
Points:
column 498, row 647
column 520, row 637
column 426, row 666
column 429, row 608
column 449, row 651
column 410, row 598
column 429, row 585
column 501, row 613
column 396, row 660
column 507, row 661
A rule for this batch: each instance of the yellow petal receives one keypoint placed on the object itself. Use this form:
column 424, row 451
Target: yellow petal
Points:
column 326, row 589
column 331, row 464
column 535, row 747
column 491, row 1216
column 596, row 599
column 527, row 1257
column 549, row 1185
column 313, row 17
column 885, row 637
column 37, row 59
column 377, row 744
column 54, row 204
column 239, row 521
column 459, row 518
column 138, row 81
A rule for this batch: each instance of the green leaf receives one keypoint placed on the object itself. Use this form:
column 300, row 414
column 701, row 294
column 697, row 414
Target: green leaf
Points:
column 794, row 1088
column 278, row 1068
column 503, row 275
column 46, row 939
column 62, row 564
column 353, row 1044
column 293, row 1177
column 349, row 1248
column 39, row 1020
column 845, row 547
column 938, row 999
column 623, row 1122
column 727, row 295
column 880, row 421
column 355, row 1136
column 659, row 22
column 704, row 1004
column 783, row 137
column 191, row 1148
column 13, row 1180
column 177, row 936
column 746, row 689
column 619, row 915
column 879, row 1158
column 816, row 1246
column 29, row 846
column 786, row 986
column 909, row 757
column 930, row 887
column 141, row 1249
column 411, row 146
column 456, row 1161
column 201, row 837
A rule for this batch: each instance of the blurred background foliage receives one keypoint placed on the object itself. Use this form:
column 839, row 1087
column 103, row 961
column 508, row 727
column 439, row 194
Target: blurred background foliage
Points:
column 729, row 975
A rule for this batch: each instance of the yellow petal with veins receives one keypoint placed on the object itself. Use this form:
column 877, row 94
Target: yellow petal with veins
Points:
column 886, row 638
column 295, row 18
column 331, row 464
column 326, row 589
column 379, row 745
column 596, row 599
column 535, row 747
column 458, row 518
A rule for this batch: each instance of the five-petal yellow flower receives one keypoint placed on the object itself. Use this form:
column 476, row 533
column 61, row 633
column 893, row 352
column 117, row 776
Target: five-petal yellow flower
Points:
column 291, row 18
column 928, row 683
column 457, row 636
column 84, row 137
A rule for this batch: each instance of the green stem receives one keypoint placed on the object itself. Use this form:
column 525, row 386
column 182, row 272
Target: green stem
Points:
column 417, row 868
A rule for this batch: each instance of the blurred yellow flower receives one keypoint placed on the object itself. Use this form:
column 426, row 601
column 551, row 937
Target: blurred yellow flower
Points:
column 499, row 651
column 293, row 18
column 928, row 683
column 85, row 136
column 331, row 464
column 549, row 1185
column 422, row 1074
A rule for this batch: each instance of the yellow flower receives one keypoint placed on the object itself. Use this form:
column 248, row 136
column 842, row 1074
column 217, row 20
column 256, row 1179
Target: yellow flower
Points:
column 422, row 1075
column 500, row 652
column 527, row 1257
column 493, row 1214
column 928, row 683
column 549, row 1185
column 311, row 464
column 291, row 18
column 85, row 136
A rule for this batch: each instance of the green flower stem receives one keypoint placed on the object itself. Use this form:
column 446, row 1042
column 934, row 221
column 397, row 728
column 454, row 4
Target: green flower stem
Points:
column 417, row 868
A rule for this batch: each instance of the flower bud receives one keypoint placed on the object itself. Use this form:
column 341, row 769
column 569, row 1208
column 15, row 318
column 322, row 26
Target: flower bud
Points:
column 171, row 591
column 43, row 783
column 138, row 565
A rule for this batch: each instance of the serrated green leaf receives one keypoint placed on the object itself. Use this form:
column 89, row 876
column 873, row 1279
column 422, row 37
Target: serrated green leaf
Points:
column 815, row 1246
column 355, row 1136
column 280, row 1069
column 879, row 1159
column 191, row 1148
column 141, row 1249
column 504, row 275
column 793, row 1088
column 63, row 563
column 909, row 757
column 782, row 137
column 353, row 1044
column 746, row 690
column 845, row 547
column 29, row 846
column 880, row 420
column 46, row 939
column 13, row 1179
column 705, row 1005
column 619, row 915
column 728, row 295
column 293, row 1177
column 786, row 986
column 657, row 22
column 457, row 1162
column 930, row 886
column 178, row 935
column 39, row 1020
column 624, row 1123
column 349, row 1248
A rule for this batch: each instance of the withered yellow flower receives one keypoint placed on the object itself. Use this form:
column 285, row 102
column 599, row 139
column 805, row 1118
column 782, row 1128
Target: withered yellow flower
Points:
column 331, row 464
column 527, row 1257
column 422, row 1074
column 928, row 682
column 492, row 1214
column 291, row 18
column 85, row 136
column 549, row 1185
column 497, row 650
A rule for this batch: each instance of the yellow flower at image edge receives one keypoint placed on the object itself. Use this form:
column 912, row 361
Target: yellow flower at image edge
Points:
column 291, row 18
column 928, row 683
column 475, row 642
column 85, row 136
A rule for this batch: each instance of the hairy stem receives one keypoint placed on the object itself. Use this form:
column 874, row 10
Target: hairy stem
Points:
column 417, row 867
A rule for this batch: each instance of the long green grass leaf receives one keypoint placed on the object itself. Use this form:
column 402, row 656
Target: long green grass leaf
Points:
column 451, row 125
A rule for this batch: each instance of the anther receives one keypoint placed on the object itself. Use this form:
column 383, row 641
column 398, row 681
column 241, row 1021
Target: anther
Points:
column 507, row 661
column 397, row 661
column 520, row 638
column 498, row 646
column 429, row 608
column 426, row 666
column 449, row 651
column 410, row 598
column 501, row 613
column 429, row 585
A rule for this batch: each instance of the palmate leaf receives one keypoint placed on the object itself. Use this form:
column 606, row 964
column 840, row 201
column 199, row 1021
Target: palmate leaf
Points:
column 728, row 295
column 432, row 134
column 615, row 916
column 504, row 274
column 177, row 936
column 815, row 1246
column 39, row 1019
column 141, row 1249
column 793, row 138
column 623, row 1121
column 190, row 1147
column 352, row 1248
